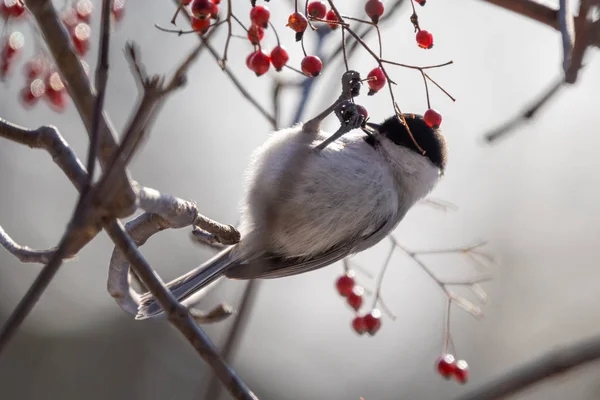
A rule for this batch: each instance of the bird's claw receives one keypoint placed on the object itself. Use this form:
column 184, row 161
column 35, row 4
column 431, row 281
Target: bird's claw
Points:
column 351, row 84
column 348, row 115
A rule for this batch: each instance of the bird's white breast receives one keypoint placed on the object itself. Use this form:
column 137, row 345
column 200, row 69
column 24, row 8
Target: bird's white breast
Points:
column 315, row 200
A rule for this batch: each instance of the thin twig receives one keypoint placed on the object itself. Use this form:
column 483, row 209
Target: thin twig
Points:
column 154, row 92
column 101, row 82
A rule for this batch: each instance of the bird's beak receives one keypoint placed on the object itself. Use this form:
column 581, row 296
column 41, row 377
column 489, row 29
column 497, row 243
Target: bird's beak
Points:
column 373, row 126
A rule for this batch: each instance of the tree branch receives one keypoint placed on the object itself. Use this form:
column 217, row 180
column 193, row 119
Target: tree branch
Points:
column 59, row 43
column 554, row 363
column 538, row 12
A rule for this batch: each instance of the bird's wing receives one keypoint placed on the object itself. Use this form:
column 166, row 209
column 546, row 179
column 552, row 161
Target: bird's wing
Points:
column 274, row 266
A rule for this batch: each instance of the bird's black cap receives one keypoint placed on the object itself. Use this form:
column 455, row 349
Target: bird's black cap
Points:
column 429, row 139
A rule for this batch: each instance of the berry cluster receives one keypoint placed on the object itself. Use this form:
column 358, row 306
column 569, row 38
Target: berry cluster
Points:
column 369, row 323
column 448, row 367
column 315, row 13
column 43, row 80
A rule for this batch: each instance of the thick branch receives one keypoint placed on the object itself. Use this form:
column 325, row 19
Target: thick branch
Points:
column 50, row 139
column 60, row 45
column 539, row 12
column 178, row 314
column 554, row 363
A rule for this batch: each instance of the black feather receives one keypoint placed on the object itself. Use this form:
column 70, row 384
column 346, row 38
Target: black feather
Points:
column 430, row 140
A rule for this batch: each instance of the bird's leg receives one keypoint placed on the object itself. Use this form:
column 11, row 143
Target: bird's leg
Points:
column 350, row 119
column 350, row 88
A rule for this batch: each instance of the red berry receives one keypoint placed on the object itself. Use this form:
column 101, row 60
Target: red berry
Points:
column 374, row 9
column 260, row 15
column 345, row 284
column 118, row 9
column 461, row 371
column 200, row 25
column 421, row 2
column 31, row 93
column 256, row 34
column 317, row 9
column 297, row 22
column 279, row 57
column 81, row 38
column 359, row 325
column 355, row 299
column 373, row 321
column 217, row 1
column 362, row 111
column 331, row 17
column 260, row 63
column 376, row 80
column 14, row 44
column 12, row 8
column 446, row 365
column 311, row 65
column 424, row 39
column 432, row 118
column 214, row 12
column 55, row 91
column 202, row 8
column 249, row 59
column 84, row 10
column 185, row 2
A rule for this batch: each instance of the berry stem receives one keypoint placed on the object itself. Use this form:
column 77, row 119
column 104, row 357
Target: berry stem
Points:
column 426, row 89
column 276, row 34
column 295, row 70
column 306, row 14
column 344, row 49
column 223, row 60
column 176, row 14
column 236, row 19
column 376, row 26
column 302, row 44
column 438, row 86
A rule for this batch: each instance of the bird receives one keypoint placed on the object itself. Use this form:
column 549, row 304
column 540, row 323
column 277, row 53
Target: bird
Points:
column 306, row 207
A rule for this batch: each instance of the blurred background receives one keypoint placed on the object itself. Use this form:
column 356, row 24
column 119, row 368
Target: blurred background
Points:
column 533, row 196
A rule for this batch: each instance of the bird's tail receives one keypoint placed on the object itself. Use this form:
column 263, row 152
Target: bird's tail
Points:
column 192, row 283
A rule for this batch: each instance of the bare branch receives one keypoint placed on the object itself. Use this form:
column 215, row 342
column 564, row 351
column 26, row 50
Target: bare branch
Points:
column 60, row 45
column 101, row 81
column 582, row 41
column 554, row 363
column 180, row 213
column 48, row 138
column 178, row 314
column 567, row 31
column 154, row 92
column 24, row 253
column 538, row 12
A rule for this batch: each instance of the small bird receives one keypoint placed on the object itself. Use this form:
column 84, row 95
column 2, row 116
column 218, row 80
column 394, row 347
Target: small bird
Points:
column 307, row 206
